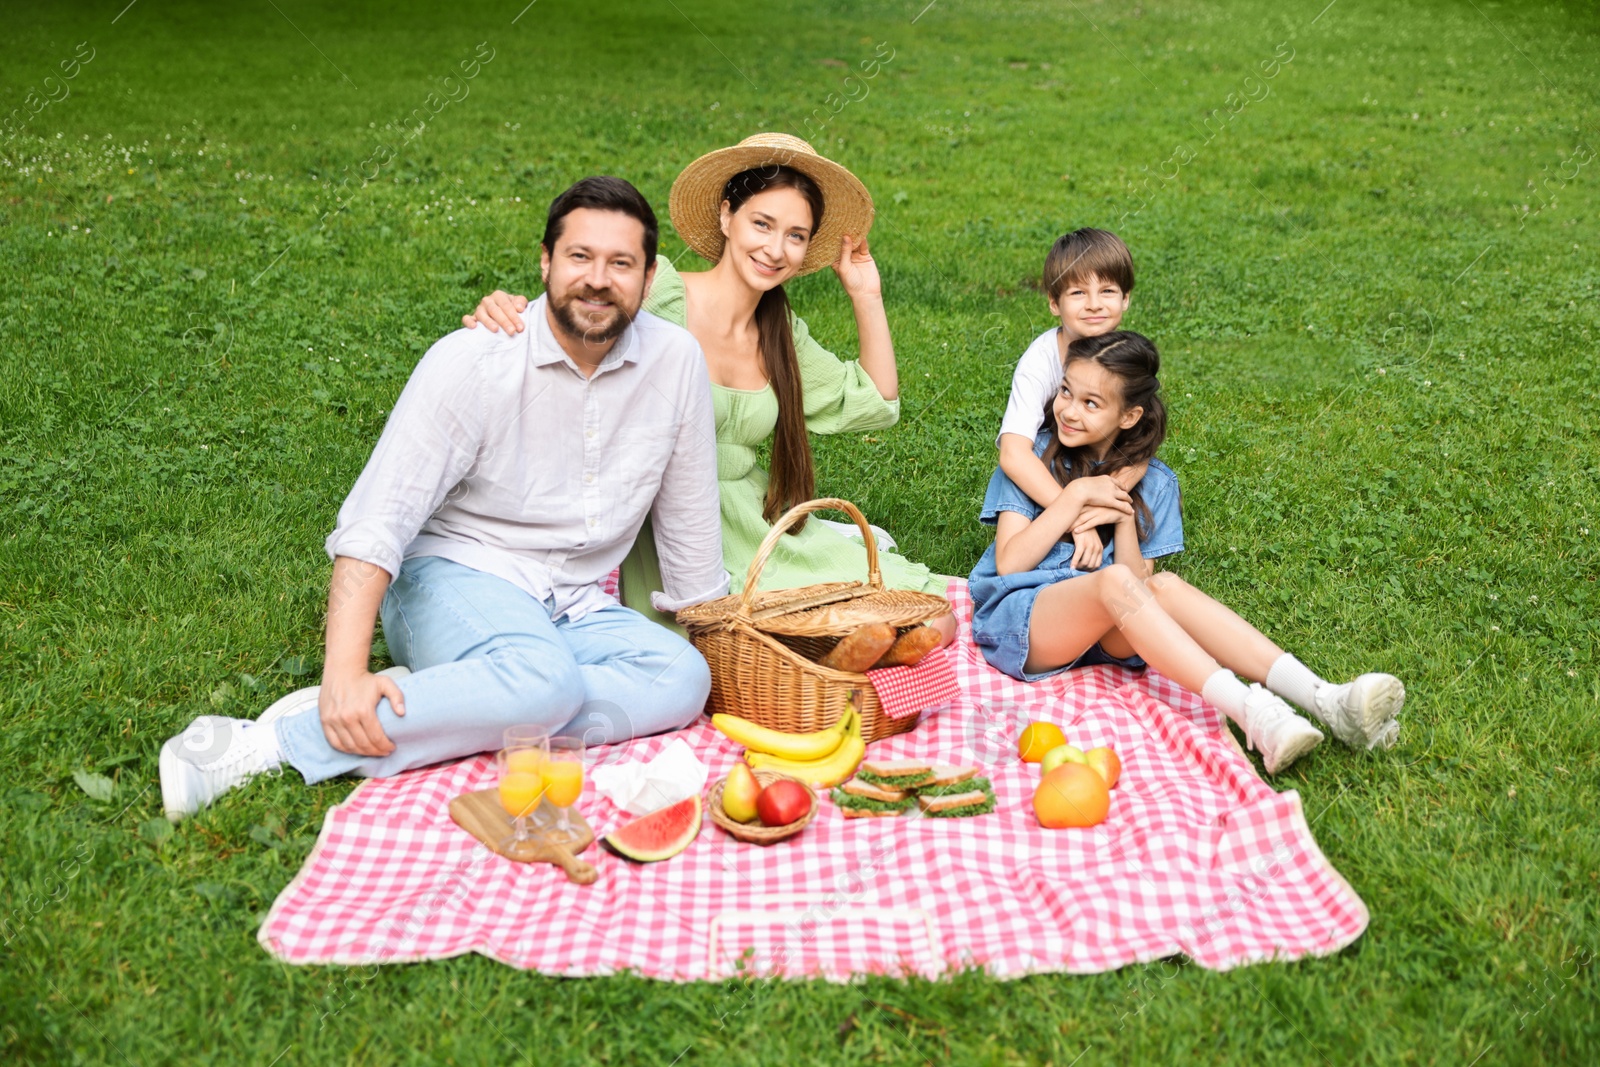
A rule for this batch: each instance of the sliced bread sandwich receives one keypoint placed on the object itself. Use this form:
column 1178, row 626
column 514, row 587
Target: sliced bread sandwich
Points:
column 958, row 799
column 856, row 799
column 896, row 773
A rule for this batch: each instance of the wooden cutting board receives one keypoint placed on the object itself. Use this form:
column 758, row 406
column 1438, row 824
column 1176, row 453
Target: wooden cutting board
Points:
column 481, row 815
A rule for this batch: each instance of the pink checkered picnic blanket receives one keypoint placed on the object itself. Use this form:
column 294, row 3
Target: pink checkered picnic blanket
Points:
column 1198, row 857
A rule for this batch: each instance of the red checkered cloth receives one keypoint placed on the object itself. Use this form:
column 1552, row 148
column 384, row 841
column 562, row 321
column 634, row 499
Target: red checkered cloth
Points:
column 1198, row 856
column 905, row 691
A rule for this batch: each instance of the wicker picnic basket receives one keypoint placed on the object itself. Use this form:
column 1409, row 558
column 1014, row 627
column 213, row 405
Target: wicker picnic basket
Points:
column 763, row 646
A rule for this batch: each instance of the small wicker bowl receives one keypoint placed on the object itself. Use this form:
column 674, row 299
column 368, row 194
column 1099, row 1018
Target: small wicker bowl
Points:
column 756, row 833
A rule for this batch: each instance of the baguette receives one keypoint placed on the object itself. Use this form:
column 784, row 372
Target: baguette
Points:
column 860, row 648
column 909, row 648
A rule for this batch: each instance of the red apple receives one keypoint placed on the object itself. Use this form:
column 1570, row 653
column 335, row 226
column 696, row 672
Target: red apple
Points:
column 1106, row 763
column 782, row 802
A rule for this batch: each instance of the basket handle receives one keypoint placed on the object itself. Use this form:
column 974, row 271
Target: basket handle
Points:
column 781, row 527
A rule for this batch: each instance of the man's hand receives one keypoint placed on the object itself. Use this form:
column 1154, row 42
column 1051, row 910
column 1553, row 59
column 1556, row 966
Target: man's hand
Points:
column 349, row 709
column 1087, row 549
column 499, row 310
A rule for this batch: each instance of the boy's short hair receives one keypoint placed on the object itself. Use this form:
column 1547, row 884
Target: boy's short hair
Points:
column 1086, row 253
column 603, row 193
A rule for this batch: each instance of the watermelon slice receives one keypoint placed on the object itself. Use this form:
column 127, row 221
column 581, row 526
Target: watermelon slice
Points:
column 659, row 835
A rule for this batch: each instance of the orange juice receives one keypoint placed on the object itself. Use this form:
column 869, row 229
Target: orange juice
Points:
column 519, row 792
column 563, row 781
column 525, row 760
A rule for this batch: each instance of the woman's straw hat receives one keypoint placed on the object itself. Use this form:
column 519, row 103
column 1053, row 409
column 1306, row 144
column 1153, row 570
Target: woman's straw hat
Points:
column 696, row 200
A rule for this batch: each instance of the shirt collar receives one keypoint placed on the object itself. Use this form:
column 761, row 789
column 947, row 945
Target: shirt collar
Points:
column 547, row 350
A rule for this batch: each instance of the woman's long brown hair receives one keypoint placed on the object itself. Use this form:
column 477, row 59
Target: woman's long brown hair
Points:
column 1132, row 359
column 792, row 478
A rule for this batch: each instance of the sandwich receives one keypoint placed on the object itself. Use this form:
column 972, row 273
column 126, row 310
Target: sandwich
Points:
column 949, row 774
column 857, row 799
column 957, row 799
column 896, row 773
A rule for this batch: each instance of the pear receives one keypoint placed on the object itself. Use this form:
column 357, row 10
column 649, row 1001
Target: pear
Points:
column 739, row 793
column 1059, row 755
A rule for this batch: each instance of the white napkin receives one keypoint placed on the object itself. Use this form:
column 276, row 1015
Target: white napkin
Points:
column 640, row 788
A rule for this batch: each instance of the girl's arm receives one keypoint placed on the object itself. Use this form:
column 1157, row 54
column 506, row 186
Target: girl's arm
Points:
column 1020, row 543
column 1129, row 553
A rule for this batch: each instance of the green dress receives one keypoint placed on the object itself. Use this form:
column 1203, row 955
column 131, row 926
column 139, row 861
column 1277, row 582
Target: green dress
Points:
column 839, row 397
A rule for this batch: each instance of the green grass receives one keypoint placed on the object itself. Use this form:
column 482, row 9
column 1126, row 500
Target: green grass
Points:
column 1382, row 371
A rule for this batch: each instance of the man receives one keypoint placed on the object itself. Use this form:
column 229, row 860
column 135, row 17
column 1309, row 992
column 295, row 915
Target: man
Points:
column 511, row 478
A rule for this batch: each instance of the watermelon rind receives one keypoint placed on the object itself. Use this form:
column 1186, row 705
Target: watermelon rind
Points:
column 659, row 835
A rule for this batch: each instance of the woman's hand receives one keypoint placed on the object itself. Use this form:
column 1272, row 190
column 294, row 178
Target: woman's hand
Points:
column 856, row 270
column 349, row 710
column 1087, row 549
column 499, row 310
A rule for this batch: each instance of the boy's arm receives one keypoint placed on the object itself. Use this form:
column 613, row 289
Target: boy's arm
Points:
column 1020, row 543
column 1019, row 463
column 1090, row 518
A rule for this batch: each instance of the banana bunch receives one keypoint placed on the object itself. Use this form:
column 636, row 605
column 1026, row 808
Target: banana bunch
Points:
column 823, row 759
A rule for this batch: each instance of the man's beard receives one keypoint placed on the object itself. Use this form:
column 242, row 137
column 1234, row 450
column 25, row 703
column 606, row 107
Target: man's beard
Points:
column 562, row 311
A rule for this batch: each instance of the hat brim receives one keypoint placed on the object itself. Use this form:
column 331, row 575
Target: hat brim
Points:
column 695, row 203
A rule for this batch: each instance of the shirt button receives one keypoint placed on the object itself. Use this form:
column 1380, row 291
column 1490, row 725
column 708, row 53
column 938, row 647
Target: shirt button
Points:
column 594, row 522
column 588, row 479
column 589, row 434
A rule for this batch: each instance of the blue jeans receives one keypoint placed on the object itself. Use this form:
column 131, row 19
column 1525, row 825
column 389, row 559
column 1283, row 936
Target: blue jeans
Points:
column 485, row 655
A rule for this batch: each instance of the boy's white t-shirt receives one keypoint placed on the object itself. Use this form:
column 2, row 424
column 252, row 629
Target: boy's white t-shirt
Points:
column 1034, row 384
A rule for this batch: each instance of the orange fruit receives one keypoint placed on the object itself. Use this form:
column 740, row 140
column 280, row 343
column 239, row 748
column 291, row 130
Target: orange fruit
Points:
column 1107, row 763
column 1037, row 739
column 1071, row 795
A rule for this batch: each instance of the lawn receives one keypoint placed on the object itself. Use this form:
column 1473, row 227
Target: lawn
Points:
column 1366, row 241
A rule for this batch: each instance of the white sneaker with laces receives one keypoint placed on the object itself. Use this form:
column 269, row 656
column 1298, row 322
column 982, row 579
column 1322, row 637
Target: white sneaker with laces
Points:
column 1272, row 728
column 1362, row 713
column 212, row 756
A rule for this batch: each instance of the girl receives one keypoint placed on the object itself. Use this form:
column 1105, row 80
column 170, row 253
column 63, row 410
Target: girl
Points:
column 1035, row 614
column 766, row 211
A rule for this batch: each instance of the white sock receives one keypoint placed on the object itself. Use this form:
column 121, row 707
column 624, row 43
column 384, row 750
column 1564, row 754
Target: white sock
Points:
column 1225, row 692
column 265, row 741
column 1294, row 682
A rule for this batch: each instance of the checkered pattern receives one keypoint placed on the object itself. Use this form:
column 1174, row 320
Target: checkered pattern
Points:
column 1198, row 856
column 905, row 691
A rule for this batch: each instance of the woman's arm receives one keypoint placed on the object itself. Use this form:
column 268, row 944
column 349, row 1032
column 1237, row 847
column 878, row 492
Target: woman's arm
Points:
column 859, row 275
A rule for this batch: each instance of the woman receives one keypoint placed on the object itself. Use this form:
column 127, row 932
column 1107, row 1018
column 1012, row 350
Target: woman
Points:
column 764, row 211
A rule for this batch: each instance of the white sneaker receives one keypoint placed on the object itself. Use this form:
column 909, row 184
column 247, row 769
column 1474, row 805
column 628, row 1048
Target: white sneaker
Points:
column 1362, row 713
column 296, row 703
column 212, row 756
column 1272, row 728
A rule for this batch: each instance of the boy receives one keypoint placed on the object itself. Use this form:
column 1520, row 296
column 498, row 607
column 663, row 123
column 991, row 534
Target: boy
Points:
column 1088, row 277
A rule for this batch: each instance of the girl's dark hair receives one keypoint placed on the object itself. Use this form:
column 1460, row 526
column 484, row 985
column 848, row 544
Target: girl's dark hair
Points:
column 793, row 478
column 1132, row 359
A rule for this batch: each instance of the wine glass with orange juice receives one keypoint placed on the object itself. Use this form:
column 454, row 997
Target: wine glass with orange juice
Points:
column 563, row 778
column 521, row 765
